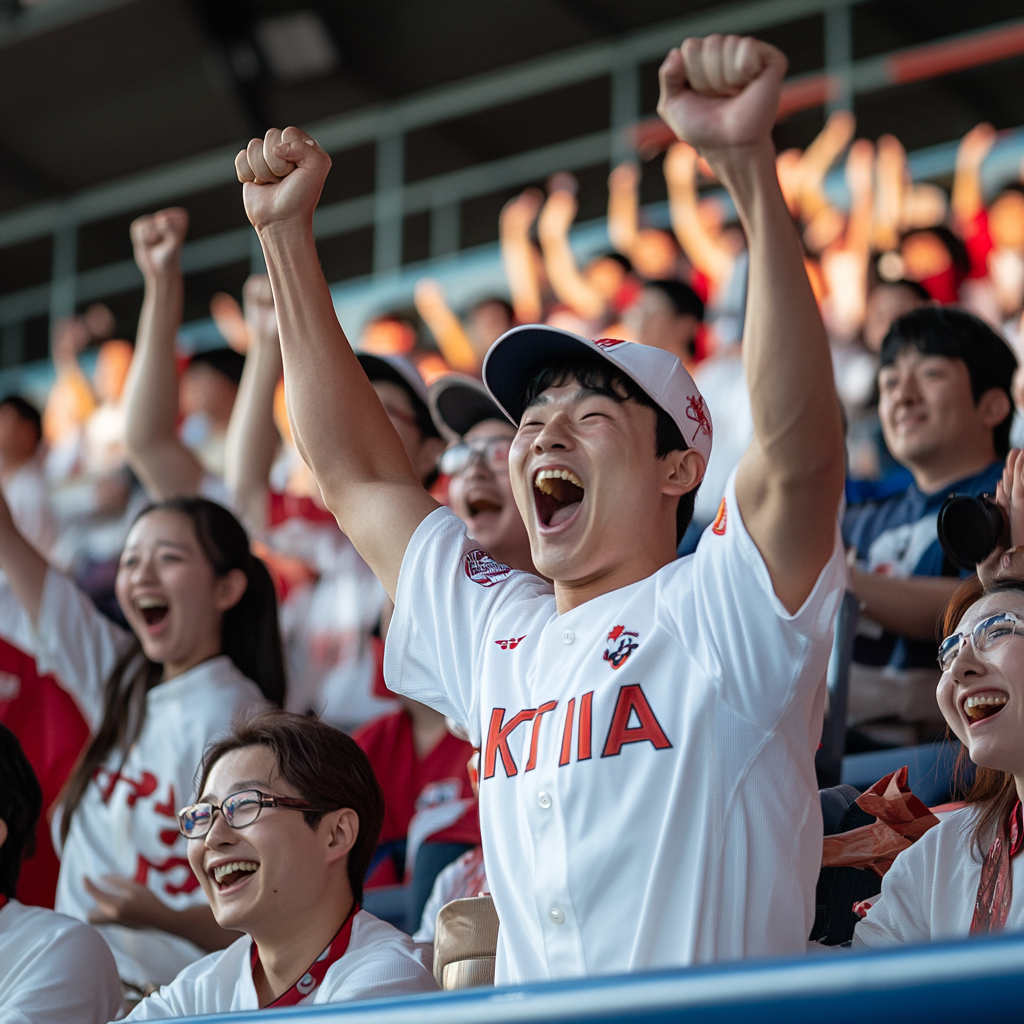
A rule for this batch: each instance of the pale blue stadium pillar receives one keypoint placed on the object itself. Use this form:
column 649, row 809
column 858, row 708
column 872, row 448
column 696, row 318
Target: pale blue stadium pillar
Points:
column 387, row 220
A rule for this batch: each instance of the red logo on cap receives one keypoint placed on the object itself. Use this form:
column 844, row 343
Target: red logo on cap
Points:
column 609, row 342
column 718, row 526
column 697, row 412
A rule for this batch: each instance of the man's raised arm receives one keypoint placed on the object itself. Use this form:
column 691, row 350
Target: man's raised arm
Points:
column 338, row 423
column 721, row 94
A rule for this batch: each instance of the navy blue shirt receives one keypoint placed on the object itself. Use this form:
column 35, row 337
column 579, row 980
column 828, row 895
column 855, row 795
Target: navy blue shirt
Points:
column 898, row 537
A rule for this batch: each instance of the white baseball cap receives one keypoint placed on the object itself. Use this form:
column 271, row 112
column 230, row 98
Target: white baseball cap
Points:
column 519, row 353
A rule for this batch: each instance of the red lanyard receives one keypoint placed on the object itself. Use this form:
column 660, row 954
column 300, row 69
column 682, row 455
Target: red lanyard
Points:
column 312, row 979
column 995, row 890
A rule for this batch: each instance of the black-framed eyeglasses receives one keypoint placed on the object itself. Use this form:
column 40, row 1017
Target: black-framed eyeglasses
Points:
column 239, row 809
column 986, row 635
column 493, row 450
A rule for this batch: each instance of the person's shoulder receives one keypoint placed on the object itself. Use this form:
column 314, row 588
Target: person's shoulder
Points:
column 221, row 962
column 52, row 934
column 369, row 932
column 379, row 729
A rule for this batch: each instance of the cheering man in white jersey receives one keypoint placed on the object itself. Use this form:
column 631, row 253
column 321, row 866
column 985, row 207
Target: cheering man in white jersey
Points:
column 647, row 725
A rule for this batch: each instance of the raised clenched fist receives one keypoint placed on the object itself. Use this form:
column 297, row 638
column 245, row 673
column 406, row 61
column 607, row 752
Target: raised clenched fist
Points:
column 721, row 92
column 283, row 174
column 157, row 240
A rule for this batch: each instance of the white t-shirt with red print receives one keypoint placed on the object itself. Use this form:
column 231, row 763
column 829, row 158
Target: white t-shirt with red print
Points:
column 369, row 960
column 647, row 788
column 126, row 822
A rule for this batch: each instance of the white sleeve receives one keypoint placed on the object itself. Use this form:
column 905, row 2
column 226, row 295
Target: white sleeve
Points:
column 382, row 972
column 74, row 981
column 899, row 916
column 448, row 591
column 762, row 654
column 77, row 643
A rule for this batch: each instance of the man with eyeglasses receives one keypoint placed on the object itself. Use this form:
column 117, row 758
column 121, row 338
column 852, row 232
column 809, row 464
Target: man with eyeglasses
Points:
column 476, row 463
column 280, row 839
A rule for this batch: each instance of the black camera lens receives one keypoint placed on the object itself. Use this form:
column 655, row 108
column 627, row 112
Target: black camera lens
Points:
column 969, row 529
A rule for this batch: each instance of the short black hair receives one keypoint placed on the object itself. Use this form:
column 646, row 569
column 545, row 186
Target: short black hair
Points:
column 916, row 289
column 683, row 298
column 597, row 375
column 27, row 411
column 226, row 361
column 21, row 802
column 957, row 334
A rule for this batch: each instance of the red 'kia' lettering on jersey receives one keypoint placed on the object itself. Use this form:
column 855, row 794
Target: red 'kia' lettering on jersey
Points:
column 497, row 740
column 632, row 700
column 721, row 519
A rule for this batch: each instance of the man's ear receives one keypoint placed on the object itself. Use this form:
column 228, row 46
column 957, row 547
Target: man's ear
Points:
column 3, row 832
column 684, row 470
column 994, row 406
column 342, row 828
column 228, row 589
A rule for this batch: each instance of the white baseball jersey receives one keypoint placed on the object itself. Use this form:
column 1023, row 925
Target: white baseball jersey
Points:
column 380, row 962
column 647, row 787
column 929, row 892
column 126, row 823
column 54, row 970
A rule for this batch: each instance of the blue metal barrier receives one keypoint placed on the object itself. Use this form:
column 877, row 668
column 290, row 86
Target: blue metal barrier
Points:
column 945, row 982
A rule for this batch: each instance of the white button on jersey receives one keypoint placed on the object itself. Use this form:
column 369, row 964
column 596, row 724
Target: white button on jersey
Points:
column 557, row 915
column 544, row 799
column 568, row 636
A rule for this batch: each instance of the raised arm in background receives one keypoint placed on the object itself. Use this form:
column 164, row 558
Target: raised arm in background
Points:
column 337, row 420
column 252, row 439
column 624, row 207
column 720, row 94
column 165, row 466
column 890, row 175
column 708, row 253
column 967, row 199
column 553, row 225
column 445, row 326
column 518, row 254
column 24, row 567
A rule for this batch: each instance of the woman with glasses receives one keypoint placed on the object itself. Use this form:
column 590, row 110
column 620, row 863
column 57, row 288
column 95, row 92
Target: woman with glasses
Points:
column 203, row 647
column 280, row 839
column 959, row 878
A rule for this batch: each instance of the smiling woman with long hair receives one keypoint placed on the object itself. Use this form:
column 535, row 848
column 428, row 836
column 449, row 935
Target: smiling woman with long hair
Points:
column 964, row 877
column 203, row 648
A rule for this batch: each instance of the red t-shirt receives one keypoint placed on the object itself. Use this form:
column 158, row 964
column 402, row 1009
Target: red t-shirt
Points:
column 433, row 795
column 52, row 733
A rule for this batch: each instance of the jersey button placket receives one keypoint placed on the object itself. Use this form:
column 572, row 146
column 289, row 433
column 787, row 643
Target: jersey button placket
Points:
column 544, row 799
column 568, row 636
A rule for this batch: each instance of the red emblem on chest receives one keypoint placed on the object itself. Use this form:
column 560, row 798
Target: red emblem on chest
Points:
column 512, row 644
column 622, row 643
column 483, row 569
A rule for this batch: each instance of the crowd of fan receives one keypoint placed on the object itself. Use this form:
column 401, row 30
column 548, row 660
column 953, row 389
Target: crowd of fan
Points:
column 135, row 624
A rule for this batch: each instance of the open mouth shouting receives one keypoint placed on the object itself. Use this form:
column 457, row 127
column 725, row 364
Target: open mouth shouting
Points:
column 153, row 610
column 228, row 875
column 558, row 494
column 987, row 704
column 479, row 503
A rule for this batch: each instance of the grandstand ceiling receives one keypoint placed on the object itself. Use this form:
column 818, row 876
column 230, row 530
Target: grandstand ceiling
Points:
column 93, row 90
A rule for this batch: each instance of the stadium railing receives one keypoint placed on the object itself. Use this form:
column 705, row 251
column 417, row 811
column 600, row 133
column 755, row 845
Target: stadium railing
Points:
column 945, row 982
